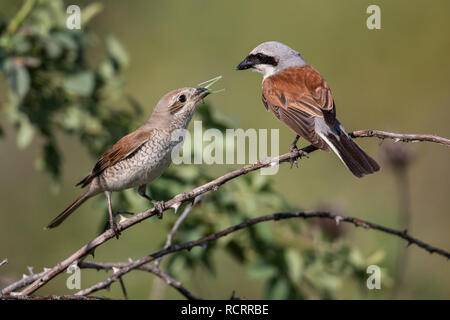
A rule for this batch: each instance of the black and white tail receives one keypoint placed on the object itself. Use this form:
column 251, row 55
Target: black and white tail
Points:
column 358, row 162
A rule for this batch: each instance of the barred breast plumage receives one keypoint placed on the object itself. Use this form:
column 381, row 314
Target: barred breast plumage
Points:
column 145, row 165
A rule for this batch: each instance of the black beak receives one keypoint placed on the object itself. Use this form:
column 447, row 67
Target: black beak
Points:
column 202, row 92
column 244, row 65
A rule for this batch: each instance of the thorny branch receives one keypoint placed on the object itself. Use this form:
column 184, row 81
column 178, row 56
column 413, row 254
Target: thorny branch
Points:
column 42, row 278
column 157, row 288
column 147, row 267
column 276, row 216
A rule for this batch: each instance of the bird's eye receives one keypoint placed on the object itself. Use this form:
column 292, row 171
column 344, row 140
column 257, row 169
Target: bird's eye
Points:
column 182, row 98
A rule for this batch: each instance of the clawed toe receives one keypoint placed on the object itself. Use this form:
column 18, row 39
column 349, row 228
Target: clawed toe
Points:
column 292, row 161
column 293, row 148
column 303, row 154
column 159, row 207
column 115, row 229
column 300, row 154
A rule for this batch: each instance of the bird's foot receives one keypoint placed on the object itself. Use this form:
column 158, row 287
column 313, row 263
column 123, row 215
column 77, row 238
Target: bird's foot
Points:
column 159, row 207
column 115, row 228
column 293, row 148
column 300, row 154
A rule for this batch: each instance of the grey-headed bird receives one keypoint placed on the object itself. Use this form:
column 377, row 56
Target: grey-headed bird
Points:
column 141, row 156
column 298, row 96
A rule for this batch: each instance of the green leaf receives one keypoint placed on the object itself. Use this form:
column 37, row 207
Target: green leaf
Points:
column 294, row 262
column 278, row 289
column 376, row 257
column 117, row 52
column 90, row 11
column 25, row 134
column 66, row 40
column 52, row 48
column 51, row 159
column 261, row 269
column 236, row 250
column 19, row 80
column 80, row 84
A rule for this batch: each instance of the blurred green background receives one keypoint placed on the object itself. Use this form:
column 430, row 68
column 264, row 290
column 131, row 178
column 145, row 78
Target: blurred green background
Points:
column 393, row 79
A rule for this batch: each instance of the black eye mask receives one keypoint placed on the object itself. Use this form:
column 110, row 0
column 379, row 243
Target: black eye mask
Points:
column 261, row 58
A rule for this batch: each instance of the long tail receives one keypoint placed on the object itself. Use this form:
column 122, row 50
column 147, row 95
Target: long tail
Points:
column 358, row 162
column 63, row 215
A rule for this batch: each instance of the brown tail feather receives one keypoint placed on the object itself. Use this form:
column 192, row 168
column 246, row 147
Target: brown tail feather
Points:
column 63, row 215
column 358, row 162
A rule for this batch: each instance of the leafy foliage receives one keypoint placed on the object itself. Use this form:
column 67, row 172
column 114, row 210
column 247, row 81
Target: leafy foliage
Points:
column 55, row 87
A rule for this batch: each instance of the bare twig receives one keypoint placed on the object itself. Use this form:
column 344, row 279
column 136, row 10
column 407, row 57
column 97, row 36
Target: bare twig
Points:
column 158, row 285
column 177, row 225
column 22, row 283
column 400, row 137
column 124, row 290
column 400, row 157
column 276, row 216
column 148, row 267
column 3, row 262
column 212, row 185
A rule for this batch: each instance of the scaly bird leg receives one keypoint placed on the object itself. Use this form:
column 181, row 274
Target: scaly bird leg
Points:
column 112, row 222
column 293, row 148
column 159, row 205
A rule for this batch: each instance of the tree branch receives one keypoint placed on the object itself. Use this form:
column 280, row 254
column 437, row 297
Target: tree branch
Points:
column 400, row 137
column 147, row 267
column 212, row 185
column 158, row 285
column 276, row 216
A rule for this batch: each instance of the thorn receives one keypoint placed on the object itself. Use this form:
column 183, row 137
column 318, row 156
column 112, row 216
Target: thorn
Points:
column 130, row 260
column 15, row 294
column 3, row 262
column 338, row 219
column 122, row 218
column 197, row 199
column 92, row 252
column 115, row 270
column 46, row 269
column 30, row 270
column 175, row 206
column 215, row 188
column 24, row 276
column 396, row 140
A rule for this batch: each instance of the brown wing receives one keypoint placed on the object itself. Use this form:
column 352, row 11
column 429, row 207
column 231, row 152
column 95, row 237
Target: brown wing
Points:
column 119, row 151
column 297, row 96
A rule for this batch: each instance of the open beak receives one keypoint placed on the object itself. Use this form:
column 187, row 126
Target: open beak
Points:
column 244, row 65
column 202, row 92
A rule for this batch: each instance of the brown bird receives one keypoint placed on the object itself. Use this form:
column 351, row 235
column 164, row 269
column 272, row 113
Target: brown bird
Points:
column 298, row 96
column 141, row 156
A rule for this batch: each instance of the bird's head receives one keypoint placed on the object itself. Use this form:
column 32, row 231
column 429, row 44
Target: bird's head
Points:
column 271, row 57
column 177, row 107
